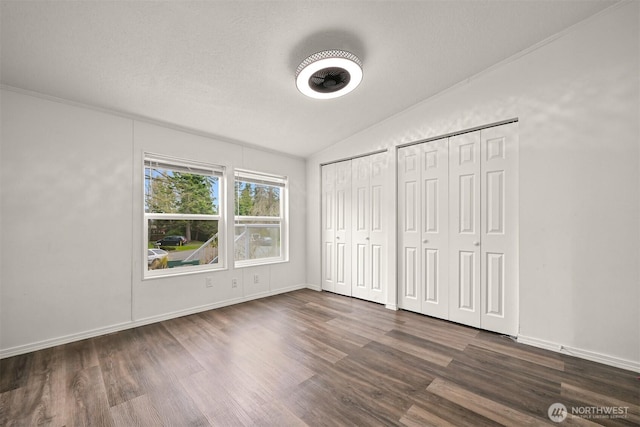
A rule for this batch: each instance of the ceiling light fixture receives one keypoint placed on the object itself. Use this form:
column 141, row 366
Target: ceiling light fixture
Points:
column 329, row 74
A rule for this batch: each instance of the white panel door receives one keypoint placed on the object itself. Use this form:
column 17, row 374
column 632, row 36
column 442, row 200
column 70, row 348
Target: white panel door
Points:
column 378, row 227
column 328, row 234
column 369, row 237
column 434, row 192
column 409, row 228
column 499, row 217
column 464, row 228
column 360, row 226
column 343, row 228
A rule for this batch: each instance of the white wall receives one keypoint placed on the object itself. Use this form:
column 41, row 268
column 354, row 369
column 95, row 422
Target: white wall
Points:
column 66, row 220
column 577, row 99
column 71, row 225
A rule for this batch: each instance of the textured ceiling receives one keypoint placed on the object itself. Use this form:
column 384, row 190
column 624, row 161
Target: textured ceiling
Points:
column 226, row 68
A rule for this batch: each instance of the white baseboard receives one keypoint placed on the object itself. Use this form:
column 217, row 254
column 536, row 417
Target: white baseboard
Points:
column 314, row 287
column 225, row 303
column 393, row 307
column 65, row 339
column 593, row 356
column 40, row 345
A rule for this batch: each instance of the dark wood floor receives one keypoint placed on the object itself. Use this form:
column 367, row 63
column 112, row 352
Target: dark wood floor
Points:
column 305, row 358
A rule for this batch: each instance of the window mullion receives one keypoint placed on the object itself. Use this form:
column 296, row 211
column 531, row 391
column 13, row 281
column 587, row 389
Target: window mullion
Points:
column 258, row 218
column 186, row 217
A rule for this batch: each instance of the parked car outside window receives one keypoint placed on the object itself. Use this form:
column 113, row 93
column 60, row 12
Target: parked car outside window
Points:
column 172, row 241
column 157, row 258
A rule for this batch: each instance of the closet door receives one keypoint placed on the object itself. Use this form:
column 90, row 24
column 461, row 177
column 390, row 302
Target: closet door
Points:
column 458, row 228
column 435, row 228
column 378, row 229
column 361, row 224
column 343, row 228
column 328, row 227
column 424, row 228
column 368, row 227
column 409, row 228
column 464, row 228
column 499, row 214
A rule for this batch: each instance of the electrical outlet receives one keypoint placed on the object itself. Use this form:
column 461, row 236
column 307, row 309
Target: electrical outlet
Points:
column 209, row 282
column 234, row 283
column 256, row 279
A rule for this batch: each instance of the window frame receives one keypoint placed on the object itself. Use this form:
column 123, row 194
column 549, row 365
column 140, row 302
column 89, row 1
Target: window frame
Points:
column 261, row 178
column 193, row 167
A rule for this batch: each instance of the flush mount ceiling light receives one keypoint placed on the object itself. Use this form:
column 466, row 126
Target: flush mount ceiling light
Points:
column 329, row 74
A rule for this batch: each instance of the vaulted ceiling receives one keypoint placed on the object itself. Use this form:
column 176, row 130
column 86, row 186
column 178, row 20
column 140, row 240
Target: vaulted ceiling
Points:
column 227, row 68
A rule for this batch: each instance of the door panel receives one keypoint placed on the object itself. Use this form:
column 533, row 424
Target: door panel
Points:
column 378, row 227
column 362, row 200
column 328, row 227
column 423, row 229
column 341, row 264
column 499, row 210
column 409, row 229
column 494, row 193
column 494, row 267
column 341, row 201
column 361, row 191
column 410, row 206
column 464, row 232
column 376, row 208
column 328, row 257
column 343, row 228
column 376, row 269
column 435, row 223
column 467, row 204
column 369, row 238
column 431, row 201
column 431, row 279
column 466, row 281
column 360, row 267
column 410, row 282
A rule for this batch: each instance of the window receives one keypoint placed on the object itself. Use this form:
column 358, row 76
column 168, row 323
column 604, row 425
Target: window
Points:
column 260, row 218
column 183, row 224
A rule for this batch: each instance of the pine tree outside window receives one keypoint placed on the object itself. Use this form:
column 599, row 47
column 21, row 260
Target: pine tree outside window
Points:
column 261, row 231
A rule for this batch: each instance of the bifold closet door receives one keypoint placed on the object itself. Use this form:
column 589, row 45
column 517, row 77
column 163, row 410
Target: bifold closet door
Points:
column 458, row 228
column 368, row 238
column 423, row 182
column 336, row 227
column 328, row 234
column 464, row 228
column 499, row 229
column 409, row 212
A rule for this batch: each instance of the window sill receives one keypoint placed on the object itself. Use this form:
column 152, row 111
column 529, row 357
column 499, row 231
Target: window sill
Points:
column 168, row 273
column 254, row 263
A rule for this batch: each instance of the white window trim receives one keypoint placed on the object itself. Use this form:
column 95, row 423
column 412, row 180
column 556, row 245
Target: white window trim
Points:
column 196, row 167
column 276, row 181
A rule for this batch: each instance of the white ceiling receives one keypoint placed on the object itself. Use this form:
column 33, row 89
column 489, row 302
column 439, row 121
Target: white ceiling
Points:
column 226, row 68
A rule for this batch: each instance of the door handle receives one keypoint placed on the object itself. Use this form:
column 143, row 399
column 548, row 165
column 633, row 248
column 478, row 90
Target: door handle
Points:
column 366, row 238
column 338, row 237
column 425, row 241
column 476, row 243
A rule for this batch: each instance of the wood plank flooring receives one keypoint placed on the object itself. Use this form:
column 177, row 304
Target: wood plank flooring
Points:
column 306, row 358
